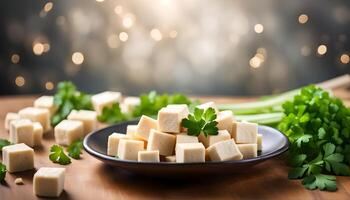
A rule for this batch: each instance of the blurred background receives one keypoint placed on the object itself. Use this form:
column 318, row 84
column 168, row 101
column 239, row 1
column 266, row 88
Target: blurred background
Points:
column 200, row 47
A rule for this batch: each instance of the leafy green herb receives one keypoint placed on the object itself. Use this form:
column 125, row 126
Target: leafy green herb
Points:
column 318, row 127
column 112, row 114
column 57, row 155
column 201, row 121
column 4, row 143
column 75, row 149
column 68, row 98
column 2, row 172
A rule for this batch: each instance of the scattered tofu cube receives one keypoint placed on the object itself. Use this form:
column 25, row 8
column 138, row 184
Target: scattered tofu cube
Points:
column 18, row 157
column 46, row 102
column 225, row 120
column 248, row 150
column 68, row 131
column 49, row 182
column 260, row 138
column 88, row 117
column 131, row 130
column 212, row 139
column 169, row 118
column 207, row 105
column 148, row 156
column 190, row 152
column 163, row 142
column 224, row 151
column 144, row 127
column 41, row 115
column 9, row 117
column 170, row 159
column 183, row 138
column 38, row 132
column 246, row 133
column 105, row 99
column 22, row 131
column 128, row 149
column 113, row 142
column 19, row 181
column 130, row 103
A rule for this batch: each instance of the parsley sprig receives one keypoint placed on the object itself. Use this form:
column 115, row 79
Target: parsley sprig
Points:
column 112, row 114
column 75, row 149
column 2, row 172
column 201, row 121
column 318, row 127
column 57, row 155
column 4, row 143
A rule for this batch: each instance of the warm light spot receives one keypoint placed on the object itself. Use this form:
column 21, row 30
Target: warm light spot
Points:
column 46, row 47
column 78, row 58
column 15, row 58
column 173, row 34
column 49, row 85
column 303, row 18
column 118, row 10
column 20, row 81
column 260, row 56
column 258, row 28
column 255, row 62
column 156, row 34
column 48, row 6
column 128, row 21
column 261, row 50
column 100, row 0
column 305, row 51
column 38, row 48
column 322, row 49
column 113, row 41
column 123, row 36
column 344, row 58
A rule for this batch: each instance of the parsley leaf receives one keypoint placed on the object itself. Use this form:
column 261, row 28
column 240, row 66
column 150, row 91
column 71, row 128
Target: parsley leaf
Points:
column 57, row 155
column 320, row 181
column 112, row 114
column 201, row 121
column 75, row 149
column 2, row 172
column 4, row 143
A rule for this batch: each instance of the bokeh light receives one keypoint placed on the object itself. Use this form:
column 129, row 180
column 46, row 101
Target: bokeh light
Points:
column 322, row 49
column 258, row 28
column 303, row 18
column 344, row 58
column 77, row 58
column 20, row 81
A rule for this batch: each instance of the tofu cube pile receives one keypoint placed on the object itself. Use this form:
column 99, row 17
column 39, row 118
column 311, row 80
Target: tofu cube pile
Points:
column 165, row 140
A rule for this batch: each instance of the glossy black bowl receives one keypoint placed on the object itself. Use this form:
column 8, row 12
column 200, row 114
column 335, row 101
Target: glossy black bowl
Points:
column 274, row 144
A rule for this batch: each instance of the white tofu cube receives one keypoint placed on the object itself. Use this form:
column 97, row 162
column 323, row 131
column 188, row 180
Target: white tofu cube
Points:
column 183, row 138
column 18, row 157
column 105, row 99
column 128, row 149
column 171, row 159
column 163, row 142
column 41, row 115
column 224, row 151
column 130, row 103
column 68, row 131
column 46, row 102
column 246, row 133
column 131, row 130
column 148, row 156
column 225, row 120
column 38, row 132
column 248, row 150
column 10, row 117
column 169, row 118
column 113, row 143
column 88, row 117
column 144, row 127
column 190, row 152
column 49, row 182
column 212, row 139
column 22, row 131
column 207, row 105
column 260, row 138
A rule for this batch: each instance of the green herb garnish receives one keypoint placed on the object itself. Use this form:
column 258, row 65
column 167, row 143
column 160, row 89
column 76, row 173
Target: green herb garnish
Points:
column 75, row 149
column 57, row 155
column 112, row 114
column 4, row 143
column 201, row 121
column 2, row 172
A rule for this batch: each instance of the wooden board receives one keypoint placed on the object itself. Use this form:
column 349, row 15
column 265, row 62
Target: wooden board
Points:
column 89, row 178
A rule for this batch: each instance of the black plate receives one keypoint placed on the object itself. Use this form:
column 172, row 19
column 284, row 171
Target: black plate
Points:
column 274, row 144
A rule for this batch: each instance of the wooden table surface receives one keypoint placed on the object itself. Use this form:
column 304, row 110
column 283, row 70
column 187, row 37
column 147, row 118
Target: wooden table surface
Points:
column 89, row 178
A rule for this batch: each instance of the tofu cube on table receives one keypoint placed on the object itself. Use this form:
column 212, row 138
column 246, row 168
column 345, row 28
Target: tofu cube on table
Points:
column 190, row 152
column 105, row 99
column 49, row 182
column 224, row 151
column 245, row 133
column 144, row 127
column 113, row 143
column 248, row 150
column 46, row 102
column 128, row 149
column 212, row 139
column 18, row 157
column 148, row 156
column 260, row 138
column 170, row 159
column 88, row 117
column 68, row 131
column 169, row 118
column 225, row 120
column 10, row 117
column 207, row 105
column 130, row 103
column 164, row 142
column 38, row 132
column 41, row 115
column 22, row 131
